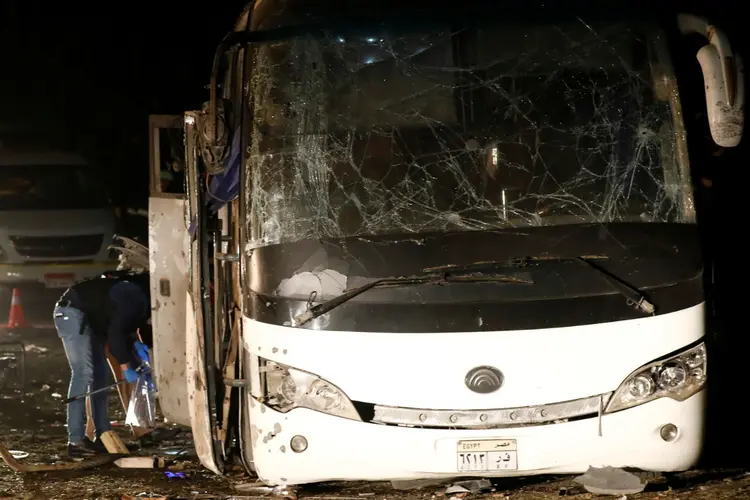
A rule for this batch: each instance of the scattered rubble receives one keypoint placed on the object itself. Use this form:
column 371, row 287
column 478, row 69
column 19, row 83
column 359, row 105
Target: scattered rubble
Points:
column 417, row 484
column 32, row 423
column 262, row 489
column 36, row 349
column 141, row 462
column 470, row 486
column 611, row 481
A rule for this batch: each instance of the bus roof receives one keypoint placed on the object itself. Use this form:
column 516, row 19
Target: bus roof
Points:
column 274, row 14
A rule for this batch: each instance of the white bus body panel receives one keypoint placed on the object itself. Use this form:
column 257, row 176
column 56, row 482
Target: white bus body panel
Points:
column 168, row 242
column 427, row 371
column 197, row 395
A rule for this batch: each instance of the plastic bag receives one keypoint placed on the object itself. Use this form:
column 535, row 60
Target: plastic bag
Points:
column 142, row 408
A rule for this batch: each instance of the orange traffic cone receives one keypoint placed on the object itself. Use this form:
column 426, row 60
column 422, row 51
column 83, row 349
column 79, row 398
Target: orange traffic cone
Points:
column 16, row 318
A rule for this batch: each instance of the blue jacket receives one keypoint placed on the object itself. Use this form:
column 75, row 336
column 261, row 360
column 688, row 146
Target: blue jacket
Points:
column 114, row 307
column 130, row 310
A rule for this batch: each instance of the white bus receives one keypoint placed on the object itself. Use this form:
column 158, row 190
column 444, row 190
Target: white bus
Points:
column 434, row 246
column 56, row 220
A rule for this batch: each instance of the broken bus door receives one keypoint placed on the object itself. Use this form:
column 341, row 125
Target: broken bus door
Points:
column 167, row 241
column 201, row 345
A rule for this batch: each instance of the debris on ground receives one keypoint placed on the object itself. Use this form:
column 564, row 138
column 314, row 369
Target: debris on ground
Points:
column 36, row 349
column 470, row 486
column 262, row 489
column 17, row 466
column 255, row 487
column 34, row 422
column 611, row 481
column 151, row 462
column 12, row 366
column 416, row 484
column 454, row 488
column 284, row 491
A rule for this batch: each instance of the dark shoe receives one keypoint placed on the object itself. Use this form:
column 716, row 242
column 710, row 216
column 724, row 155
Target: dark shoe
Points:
column 79, row 450
column 86, row 448
column 97, row 446
column 158, row 435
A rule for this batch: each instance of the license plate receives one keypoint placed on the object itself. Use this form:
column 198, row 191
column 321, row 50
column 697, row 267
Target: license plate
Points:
column 487, row 455
column 63, row 280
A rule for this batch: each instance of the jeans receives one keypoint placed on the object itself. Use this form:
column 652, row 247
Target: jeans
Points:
column 89, row 371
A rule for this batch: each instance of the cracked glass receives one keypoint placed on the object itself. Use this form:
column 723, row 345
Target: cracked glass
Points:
column 463, row 129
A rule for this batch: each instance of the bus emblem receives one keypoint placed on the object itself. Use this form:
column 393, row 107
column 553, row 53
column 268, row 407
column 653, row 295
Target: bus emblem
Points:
column 484, row 379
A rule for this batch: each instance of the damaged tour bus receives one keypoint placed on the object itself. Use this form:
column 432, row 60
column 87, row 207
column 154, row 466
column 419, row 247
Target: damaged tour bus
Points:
column 461, row 244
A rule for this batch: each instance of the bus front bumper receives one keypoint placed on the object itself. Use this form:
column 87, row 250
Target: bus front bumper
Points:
column 342, row 449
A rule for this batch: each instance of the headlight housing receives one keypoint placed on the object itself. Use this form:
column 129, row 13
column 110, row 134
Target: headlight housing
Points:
column 286, row 388
column 677, row 377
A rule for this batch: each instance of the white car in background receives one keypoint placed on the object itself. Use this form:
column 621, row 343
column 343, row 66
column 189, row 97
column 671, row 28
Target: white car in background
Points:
column 56, row 219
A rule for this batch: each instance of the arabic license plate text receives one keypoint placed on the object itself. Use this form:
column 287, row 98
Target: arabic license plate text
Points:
column 487, row 455
column 63, row 280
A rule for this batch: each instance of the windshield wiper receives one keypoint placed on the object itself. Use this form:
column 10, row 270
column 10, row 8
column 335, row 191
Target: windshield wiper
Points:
column 435, row 278
column 633, row 295
column 486, row 265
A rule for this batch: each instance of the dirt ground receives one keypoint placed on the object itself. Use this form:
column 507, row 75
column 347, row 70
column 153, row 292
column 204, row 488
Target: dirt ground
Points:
column 33, row 421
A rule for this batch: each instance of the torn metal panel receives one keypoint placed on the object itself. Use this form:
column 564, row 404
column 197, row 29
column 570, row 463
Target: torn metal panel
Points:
column 200, row 421
column 199, row 392
column 133, row 256
column 462, row 129
column 168, row 243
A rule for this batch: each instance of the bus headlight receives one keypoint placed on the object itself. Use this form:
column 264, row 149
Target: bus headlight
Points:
column 287, row 388
column 677, row 377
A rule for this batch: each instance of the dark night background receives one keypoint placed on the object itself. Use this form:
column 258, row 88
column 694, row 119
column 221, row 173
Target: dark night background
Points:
column 84, row 76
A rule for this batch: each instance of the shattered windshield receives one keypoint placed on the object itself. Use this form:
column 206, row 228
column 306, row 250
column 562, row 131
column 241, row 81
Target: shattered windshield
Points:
column 462, row 129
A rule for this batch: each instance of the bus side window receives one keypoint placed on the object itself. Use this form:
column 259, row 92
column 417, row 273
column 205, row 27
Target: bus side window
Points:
column 172, row 161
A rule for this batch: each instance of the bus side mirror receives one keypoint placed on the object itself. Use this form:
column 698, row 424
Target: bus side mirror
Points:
column 723, row 78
